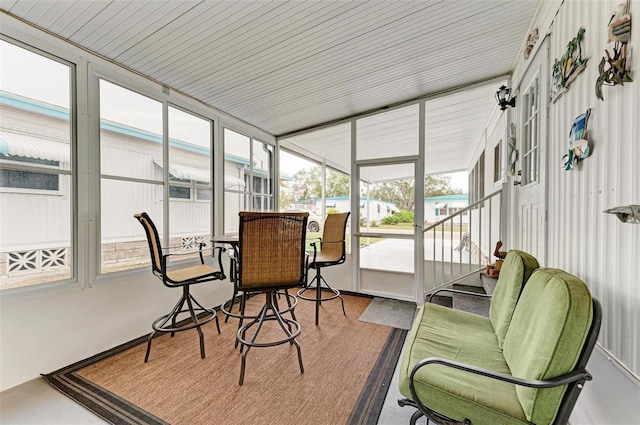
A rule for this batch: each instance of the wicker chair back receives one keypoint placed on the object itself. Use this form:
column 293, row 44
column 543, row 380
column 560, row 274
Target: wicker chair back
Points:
column 271, row 249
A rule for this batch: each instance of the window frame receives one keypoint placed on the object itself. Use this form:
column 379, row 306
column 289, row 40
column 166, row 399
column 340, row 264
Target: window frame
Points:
column 85, row 71
column 530, row 162
column 166, row 181
column 76, row 256
column 477, row 180
column 265, row 199
column 31, row 167
column 497, row 162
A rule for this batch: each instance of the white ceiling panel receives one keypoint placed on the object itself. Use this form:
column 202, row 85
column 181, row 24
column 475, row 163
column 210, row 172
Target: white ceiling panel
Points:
column 284, row 66
column 332, row 144
column 455, row 126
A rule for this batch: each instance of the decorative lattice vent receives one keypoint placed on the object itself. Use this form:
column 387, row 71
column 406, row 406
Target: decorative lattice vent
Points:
column 192, row 242
column 36, row 261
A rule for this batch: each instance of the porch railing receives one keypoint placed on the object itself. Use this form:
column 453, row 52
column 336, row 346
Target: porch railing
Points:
column 459, row 246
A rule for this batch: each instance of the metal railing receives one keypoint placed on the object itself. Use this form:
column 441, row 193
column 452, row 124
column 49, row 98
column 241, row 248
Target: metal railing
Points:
column 473, row 231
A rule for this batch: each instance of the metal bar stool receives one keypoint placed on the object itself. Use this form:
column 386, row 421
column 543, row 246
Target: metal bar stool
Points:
column 184, row 278
column 329, row 251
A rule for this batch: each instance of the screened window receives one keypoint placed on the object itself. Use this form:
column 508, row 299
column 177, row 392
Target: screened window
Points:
column 301, row 179
column 132, row 148
column 389, row 134
column 131, row 152
column 300, row 183
column 248, row 177
column 190, row 178
column 301, row 190
column 36, row 169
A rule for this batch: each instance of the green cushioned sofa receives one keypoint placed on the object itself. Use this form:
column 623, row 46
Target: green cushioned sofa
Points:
column 523, row 364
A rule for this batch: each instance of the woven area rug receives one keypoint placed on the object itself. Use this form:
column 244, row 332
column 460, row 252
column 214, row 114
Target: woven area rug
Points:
column 348, row 365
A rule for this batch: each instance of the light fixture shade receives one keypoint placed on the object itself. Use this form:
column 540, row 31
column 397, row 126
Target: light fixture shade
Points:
column 503, row 97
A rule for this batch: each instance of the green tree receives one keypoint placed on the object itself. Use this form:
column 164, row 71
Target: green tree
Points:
column 401, row 192
column 306, row 184
column 337, row 184
column 286, row 197
column 438, row 186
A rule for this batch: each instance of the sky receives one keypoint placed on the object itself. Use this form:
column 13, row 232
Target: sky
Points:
column 37, row 77
column 460, row 181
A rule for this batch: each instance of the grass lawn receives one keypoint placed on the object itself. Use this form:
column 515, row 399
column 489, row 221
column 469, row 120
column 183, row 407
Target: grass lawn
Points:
column 409, row 226
column 457, row 230
column 399, row 226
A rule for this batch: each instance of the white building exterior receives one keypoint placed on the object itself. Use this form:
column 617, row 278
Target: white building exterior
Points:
column 373, row 209
column 32, row 130
column 437, row 208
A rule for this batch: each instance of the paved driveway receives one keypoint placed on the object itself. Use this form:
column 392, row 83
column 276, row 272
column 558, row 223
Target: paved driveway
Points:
column 397, row 254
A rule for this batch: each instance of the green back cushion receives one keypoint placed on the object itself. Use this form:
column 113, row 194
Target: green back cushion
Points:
column 515, row 271
column 548, row 329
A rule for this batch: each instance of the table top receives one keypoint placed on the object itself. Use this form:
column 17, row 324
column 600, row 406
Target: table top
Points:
column 231, row 240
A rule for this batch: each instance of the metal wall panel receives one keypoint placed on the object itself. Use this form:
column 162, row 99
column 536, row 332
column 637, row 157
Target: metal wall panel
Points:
column 583, row 240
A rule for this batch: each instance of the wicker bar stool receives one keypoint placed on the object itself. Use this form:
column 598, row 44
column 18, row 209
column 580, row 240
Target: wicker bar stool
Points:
column 270, row 259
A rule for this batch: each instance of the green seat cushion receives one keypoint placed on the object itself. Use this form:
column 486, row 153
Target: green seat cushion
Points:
column 469, row 338
column 515, row 271
column 548, row 330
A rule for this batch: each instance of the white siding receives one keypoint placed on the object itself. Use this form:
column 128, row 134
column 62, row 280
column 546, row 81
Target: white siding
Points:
column 26, row 217
column 582, row 239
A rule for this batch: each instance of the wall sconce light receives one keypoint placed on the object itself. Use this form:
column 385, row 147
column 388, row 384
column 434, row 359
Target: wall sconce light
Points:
column 503, row 96
column 626, row 214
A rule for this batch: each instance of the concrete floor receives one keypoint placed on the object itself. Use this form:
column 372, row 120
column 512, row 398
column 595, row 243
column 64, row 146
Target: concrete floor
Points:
column 37, row 403
column 392, row 413
column 397, row 254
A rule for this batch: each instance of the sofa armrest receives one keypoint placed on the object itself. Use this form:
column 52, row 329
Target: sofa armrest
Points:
column 457, row 291
column 578, row 376
column 565, row 379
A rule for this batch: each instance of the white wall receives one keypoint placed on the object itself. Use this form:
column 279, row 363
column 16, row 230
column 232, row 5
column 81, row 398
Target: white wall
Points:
column 582, row 239
column 42, row 333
